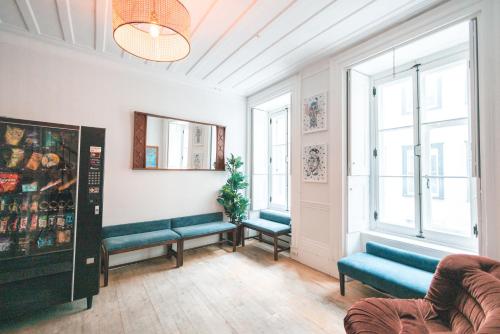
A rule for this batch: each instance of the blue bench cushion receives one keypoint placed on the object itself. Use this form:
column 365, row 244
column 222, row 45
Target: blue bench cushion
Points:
column 203, row 229
column 275, row 216
column 268, row 226
column 411, row 259
column 127, row 229
column 196, row 220
column 397, row 279
column 139, row 239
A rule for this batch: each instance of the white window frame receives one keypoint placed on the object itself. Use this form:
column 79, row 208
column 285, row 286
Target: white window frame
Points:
column 418, row 231
column 270, row 203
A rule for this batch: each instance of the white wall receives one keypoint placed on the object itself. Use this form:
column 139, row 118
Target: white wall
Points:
column 319, row 212
column 48, row 83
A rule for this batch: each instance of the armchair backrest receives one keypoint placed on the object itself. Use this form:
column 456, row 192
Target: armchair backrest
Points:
column 465, row 292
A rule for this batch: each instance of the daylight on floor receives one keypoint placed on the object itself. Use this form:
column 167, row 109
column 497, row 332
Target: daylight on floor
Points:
column 249, row 166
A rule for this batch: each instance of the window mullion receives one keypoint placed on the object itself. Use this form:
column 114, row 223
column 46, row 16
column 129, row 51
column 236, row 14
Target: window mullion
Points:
column 417, row 152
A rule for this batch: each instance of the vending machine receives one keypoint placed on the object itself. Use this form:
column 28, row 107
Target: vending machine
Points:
column 51, row 188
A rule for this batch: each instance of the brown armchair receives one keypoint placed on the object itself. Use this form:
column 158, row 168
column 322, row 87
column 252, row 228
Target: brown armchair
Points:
column 464, row 297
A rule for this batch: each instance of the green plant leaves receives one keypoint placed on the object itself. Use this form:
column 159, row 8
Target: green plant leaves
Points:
column 231, row 195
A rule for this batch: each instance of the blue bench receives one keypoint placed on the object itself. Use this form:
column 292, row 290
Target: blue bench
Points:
column 400, row 273
column 166, row 232
column 271, row 223
column 198, row 226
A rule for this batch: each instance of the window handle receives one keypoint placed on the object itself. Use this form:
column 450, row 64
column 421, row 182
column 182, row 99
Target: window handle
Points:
column 427, row 182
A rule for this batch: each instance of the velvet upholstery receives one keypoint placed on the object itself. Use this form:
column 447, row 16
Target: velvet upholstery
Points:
column 395, row 271
column 133, row 228
column 267, row 226
column 385, row 275
column 203, row 229
column 464, row 297
column 197, row 219
column 278, row 217
column 139, row 239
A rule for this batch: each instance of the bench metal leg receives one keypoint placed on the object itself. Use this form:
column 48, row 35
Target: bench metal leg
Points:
column 275, row 248
column 242, row 236
column 180, row 253
column 342, row 284
column 235, row 232
column 169, row 251
column 260, row 236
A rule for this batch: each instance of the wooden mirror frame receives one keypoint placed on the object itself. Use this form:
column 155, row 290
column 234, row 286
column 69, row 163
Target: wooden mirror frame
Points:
column 139, row 145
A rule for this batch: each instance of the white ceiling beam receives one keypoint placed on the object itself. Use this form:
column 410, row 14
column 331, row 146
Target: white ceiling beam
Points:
column 29, row 18
column 65, row 20
column 195, row 29
column 224, row 34
column 101, row 24
column 256, row 35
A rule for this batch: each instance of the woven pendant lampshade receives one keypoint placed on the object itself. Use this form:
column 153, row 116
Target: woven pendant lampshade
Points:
column 155, row 30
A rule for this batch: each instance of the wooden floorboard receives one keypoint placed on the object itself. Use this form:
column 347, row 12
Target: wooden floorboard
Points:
column 216, row 291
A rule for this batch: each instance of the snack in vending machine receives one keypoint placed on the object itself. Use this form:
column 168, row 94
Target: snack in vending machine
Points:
column 52, row 220
column 23, row 223
column 63, row 236
column 34, row 204
column 60, row 220
column 8, row 182
column 24, row 244
column 34, row 222
column 13, row 225
column 50, row 160
column 16, row 158
column 69, row 218
column 34, row 161
column 13, row 135
column 32, row 138
column 30, row 187
column 42, row 221
column 4, row 222
column 5, row 244
column 24, row 205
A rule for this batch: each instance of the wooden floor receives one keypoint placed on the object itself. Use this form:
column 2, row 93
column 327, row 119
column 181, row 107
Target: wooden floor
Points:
column 216, row 291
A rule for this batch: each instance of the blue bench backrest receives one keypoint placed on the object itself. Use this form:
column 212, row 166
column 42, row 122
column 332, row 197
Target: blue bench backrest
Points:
column 415, row 260
column 134, row 228
column 196, row 220
column 274, row 216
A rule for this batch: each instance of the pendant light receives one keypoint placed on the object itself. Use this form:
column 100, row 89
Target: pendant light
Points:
column 156, row 30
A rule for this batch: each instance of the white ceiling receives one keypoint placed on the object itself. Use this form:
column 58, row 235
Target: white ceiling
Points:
column 239, row 46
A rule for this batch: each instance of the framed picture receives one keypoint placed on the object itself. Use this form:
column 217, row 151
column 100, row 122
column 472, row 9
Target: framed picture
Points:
column 197, row 161
column 314, row 113
column 198, row 136
column 151, row 156
column 314, row 163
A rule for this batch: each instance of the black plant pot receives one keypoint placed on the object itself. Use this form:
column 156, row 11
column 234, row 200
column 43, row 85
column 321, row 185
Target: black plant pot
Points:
column 238, row 235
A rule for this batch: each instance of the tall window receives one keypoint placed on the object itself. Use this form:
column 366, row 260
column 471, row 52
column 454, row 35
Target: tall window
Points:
column 424, row 149
column 422, row 124
column 270, row 152
column 278, row 163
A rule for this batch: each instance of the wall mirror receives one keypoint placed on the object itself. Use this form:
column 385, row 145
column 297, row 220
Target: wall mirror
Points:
column 167, row 143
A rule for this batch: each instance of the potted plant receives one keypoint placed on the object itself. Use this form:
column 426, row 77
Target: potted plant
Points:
column 231, row 195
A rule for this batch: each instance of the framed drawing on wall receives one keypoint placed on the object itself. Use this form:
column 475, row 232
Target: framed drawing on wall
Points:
column 197, row 162
column 314, row 116
column 314, row 163
column 151, row 156
column 198, row 136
